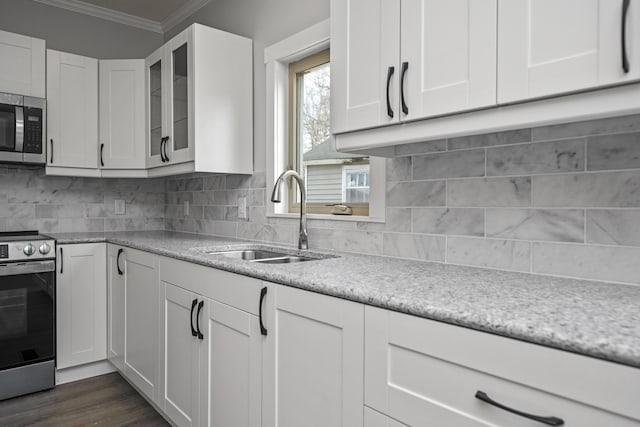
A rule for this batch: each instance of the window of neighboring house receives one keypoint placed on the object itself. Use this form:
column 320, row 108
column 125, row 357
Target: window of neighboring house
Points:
column 331, row 177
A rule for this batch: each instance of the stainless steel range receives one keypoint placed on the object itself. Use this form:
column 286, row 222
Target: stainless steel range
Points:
column 27, row 313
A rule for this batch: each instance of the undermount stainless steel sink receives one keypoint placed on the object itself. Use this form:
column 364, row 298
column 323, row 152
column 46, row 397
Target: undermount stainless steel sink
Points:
column 262, row 256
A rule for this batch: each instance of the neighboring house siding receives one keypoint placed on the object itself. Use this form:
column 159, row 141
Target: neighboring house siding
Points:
column 324, row 183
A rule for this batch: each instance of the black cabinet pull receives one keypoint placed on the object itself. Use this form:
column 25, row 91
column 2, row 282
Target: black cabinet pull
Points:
column 51, row 159
column 405, row 67
column 390, row 72
column 101, row 155
column 166, row 156
column 550, row 421
column 161, row 145
column 61, row 258
column 193, row 330
column 120, row 272
column 263, row 293
column 625, row 59
column 200, row 335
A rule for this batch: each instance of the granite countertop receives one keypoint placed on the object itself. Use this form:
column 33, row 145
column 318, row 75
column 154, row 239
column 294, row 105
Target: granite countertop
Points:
column 591, row 318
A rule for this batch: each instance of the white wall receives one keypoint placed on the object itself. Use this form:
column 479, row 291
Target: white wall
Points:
column 76, row 33
column 266, row 22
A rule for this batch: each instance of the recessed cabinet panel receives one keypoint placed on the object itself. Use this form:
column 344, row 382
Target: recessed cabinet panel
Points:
column 22, row 68
column 72, row 110
column 547, row 48
column 449, row 48
column 81, row 304
column 122, row 114
column 142, row 321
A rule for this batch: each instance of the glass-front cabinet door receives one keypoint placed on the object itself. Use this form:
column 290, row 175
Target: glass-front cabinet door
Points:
column 156, row 127
column 180, row 142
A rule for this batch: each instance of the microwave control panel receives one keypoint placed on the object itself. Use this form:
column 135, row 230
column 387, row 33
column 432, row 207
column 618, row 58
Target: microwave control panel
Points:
column 4, row 251
column 32, row 130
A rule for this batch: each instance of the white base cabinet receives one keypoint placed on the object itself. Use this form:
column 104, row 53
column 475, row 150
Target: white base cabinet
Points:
column 22, row 69
column 313, row 360
column 81, row 304
column 422, row 373
column 133, row 317
column 211, row 347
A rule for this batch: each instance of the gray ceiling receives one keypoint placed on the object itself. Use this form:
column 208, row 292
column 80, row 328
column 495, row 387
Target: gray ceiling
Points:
column 155, row 10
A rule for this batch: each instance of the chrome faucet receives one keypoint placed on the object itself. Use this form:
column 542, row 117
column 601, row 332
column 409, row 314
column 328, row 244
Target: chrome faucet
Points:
column 303, row 238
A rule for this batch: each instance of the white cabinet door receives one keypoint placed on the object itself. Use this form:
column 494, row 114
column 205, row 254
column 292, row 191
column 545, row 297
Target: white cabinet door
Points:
column 141, row 320
column 551, row 47
column 231, row 366
column 115, row 305
column 22, row 70
column 122, row 113
column 72, row 110
column 365, row 55
column 313, row 360
column 448, row 56
column 81, row 304
column 180, row 355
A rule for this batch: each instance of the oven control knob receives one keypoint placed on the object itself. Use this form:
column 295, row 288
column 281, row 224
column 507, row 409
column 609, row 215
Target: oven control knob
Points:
column 44, row 248
column 29, row 249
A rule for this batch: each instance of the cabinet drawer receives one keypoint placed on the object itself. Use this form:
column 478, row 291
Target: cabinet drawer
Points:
column 422, row 372
column 238, row 291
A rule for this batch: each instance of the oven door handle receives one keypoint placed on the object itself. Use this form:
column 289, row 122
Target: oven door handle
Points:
column 17, row 268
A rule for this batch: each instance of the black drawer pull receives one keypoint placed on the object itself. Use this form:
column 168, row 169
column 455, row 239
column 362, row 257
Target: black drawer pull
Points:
column 550, row 421
column 194, row 333
column 390, row 72
column 625, row 58
column 263, row 293
column 405, row 67
column 200, row 335
column 120, row 272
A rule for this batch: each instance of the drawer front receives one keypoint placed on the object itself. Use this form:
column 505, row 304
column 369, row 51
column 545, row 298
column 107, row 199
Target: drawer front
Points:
column 238, row 291
column 376, row 419
column 424, row 373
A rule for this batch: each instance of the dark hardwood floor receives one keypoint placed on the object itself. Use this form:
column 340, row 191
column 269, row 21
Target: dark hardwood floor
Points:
column 107, row 400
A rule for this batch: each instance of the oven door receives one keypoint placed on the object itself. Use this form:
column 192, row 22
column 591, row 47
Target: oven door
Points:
column 27, row 313
column 11, row 132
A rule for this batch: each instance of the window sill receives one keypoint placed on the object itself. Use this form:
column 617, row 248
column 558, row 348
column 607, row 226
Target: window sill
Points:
column 326, row 217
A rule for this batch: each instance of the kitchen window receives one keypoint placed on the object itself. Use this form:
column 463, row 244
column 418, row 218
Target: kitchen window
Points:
column 328, row 174
column 299, row 137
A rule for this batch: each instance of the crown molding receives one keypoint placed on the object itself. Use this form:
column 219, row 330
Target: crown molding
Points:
column 104, row 13
column 183, row 13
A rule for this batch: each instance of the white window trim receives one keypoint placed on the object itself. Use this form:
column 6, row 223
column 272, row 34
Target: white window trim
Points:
column 277, row 58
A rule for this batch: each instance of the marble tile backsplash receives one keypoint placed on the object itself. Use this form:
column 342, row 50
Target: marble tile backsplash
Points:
column 561, row 200
column 50, row 204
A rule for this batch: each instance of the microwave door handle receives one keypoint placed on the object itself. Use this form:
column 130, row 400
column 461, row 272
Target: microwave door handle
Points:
column 19, row 129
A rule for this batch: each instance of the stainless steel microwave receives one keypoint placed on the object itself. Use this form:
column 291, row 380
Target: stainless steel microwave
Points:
column 22, row 129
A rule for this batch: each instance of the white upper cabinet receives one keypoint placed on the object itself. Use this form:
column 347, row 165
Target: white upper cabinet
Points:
column 200, row 103
column 397, row 60
column 365, row 55
column 122, row 128
column 72, row 111
column 22, row 68
column 448, row 56
column 551, row 47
